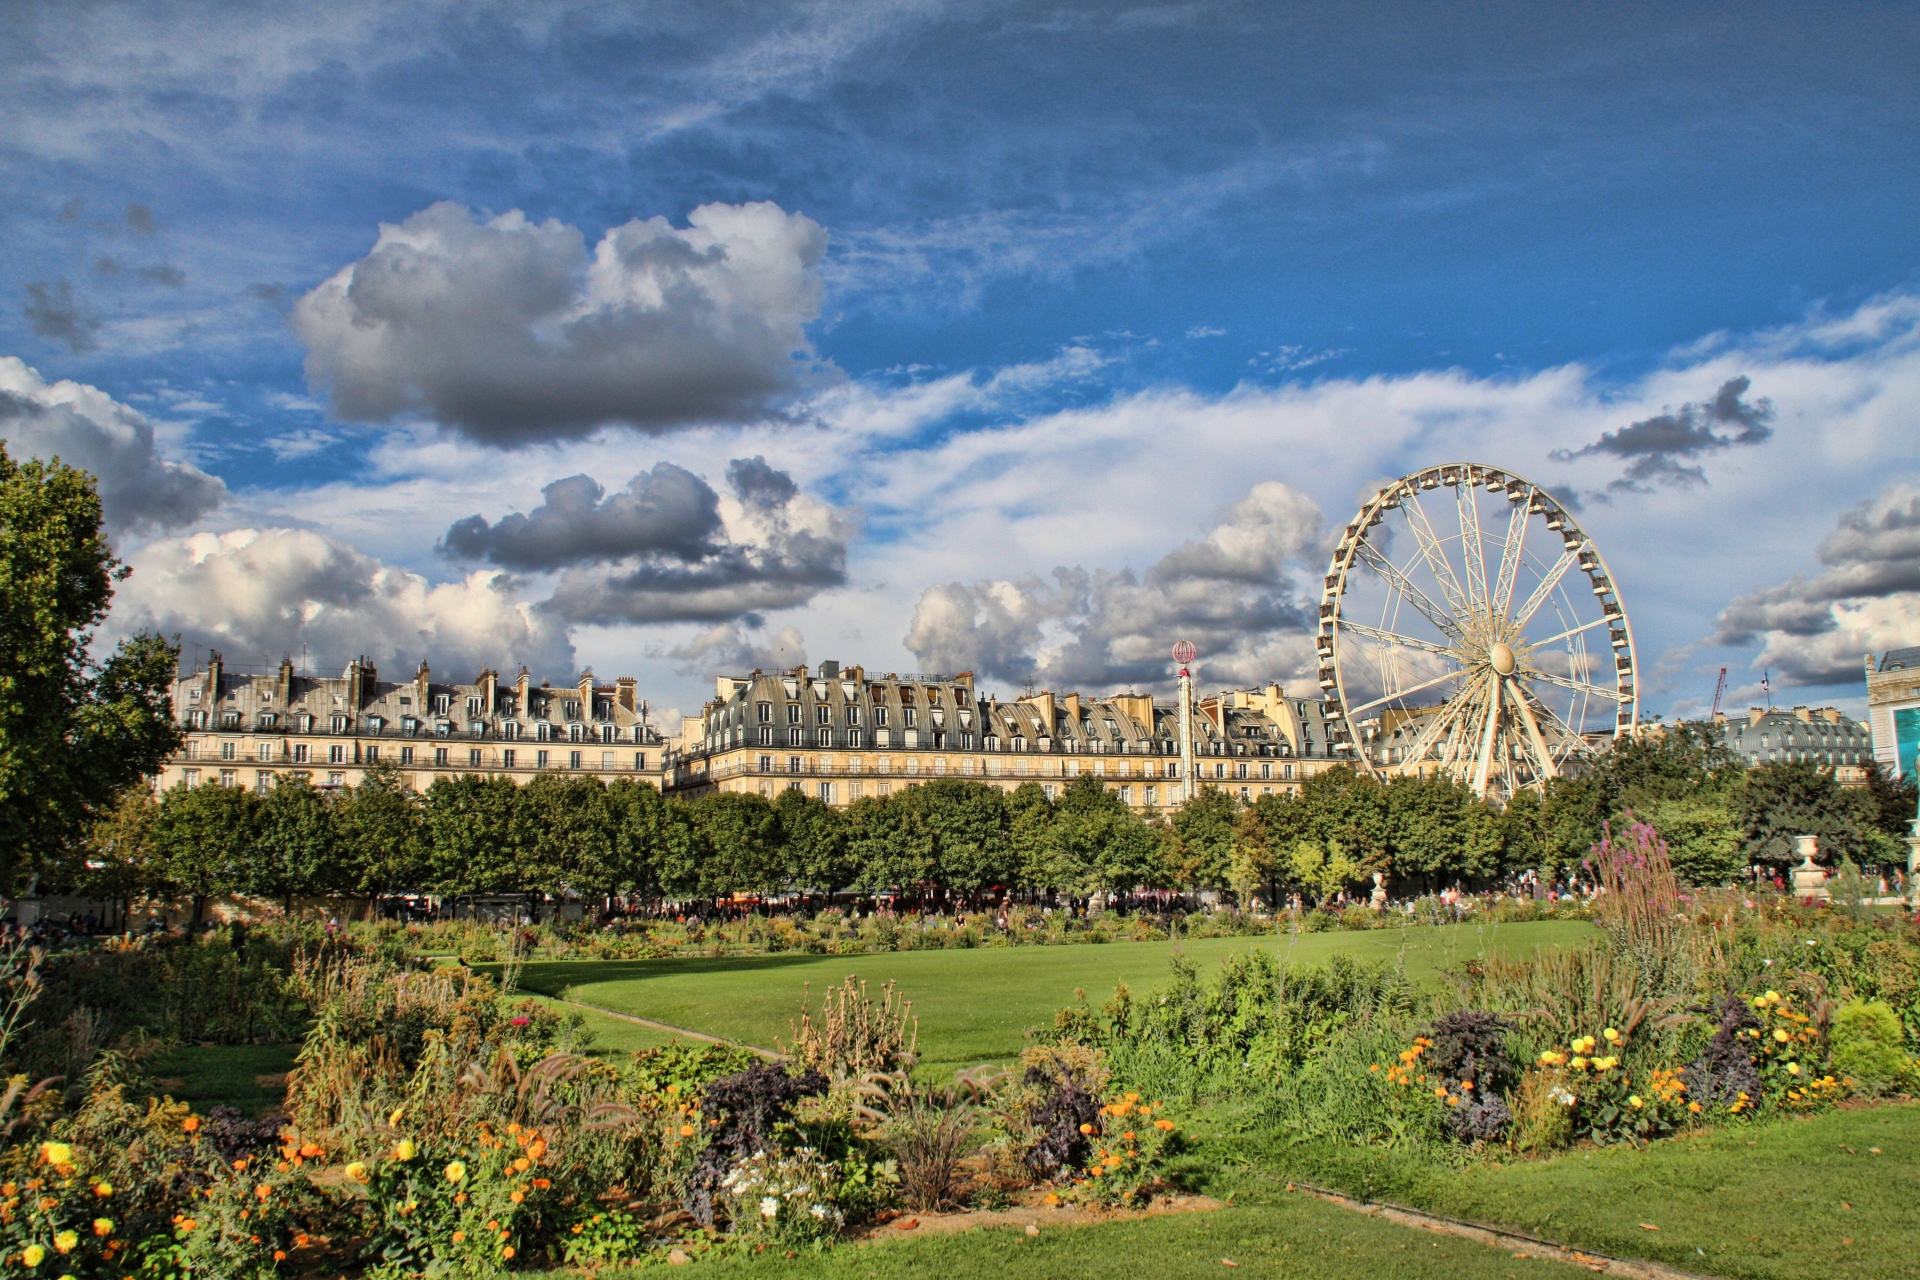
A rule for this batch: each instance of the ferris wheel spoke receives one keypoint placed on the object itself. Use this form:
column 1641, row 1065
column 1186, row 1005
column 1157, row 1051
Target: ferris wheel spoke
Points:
column 1440, row 618
column 1541, row 593
column 1435, row 555
column 1510, row 559
column 1438, row 725
column 1581, row 686
column 1489, row 737
column 1570, row 631
column 1395, row 638
column 1542, row 757
column 1473, row 554
column 1401, row 693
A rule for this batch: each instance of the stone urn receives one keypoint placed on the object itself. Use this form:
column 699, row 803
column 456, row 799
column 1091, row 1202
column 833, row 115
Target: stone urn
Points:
column 1378, row 899
column 1809, row 881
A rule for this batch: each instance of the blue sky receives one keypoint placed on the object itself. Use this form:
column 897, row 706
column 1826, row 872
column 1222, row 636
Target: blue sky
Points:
column 1017, row 290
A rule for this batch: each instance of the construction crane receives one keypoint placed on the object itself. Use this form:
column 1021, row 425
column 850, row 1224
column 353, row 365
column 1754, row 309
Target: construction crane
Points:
column 1718, row 689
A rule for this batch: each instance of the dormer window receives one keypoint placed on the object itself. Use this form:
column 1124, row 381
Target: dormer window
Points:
column 441, row 702
column 907, row 716
column 510, row 731
column 266, row 695
column 573, row 708
column 409, row 726
column 793, row 713
column 477, row 728
column 763, row 711
column 193, row 695
column 792, row 687
column 376, row 724
column 880, row 716
column 853, row 714
column 475, row 706
column 339, row 724
column 406, row 702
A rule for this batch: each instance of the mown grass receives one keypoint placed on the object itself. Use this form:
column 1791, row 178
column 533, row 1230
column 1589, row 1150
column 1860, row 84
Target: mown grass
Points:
column 976, row 1006
column 1829, row 1195
column 1294, row 1237
column 225, row 1075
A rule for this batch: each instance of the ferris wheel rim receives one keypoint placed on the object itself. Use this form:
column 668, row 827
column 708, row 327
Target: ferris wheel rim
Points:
column 1475, row 620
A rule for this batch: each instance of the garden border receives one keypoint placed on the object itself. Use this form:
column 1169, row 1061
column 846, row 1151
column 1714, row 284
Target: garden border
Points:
column 1441, row 1224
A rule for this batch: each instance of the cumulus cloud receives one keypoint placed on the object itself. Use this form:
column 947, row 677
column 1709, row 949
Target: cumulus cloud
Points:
column 766, row 546
column 1655, row 446
column 86, row 427
column 736, row 647
column 1867, row 598
column 257, row 594
column 510, row 331
column 53, row 312
column 1231, row 593
column 668, row 511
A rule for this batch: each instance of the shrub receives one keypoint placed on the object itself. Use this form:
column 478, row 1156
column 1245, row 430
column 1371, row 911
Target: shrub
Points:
column 854, row 1036
column 1867, row 1046
column 745, row 1110
column 1468, row 1051
column 929, row 1131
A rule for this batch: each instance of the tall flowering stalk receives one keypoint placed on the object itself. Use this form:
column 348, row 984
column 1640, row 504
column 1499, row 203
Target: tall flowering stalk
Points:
column 1640, row 894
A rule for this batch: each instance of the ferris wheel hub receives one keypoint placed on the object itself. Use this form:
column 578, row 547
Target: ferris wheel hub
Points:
column 1501, row 657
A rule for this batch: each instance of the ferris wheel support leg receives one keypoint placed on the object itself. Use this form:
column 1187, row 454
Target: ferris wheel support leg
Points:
column 1547, row 771
column 1485, row 761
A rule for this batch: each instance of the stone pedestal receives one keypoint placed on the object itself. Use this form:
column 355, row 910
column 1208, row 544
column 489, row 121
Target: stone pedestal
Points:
column 1809, row 881
column 1378, row 900
column 1913, row 863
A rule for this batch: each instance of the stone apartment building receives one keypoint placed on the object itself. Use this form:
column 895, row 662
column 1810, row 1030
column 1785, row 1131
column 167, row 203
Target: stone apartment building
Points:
column 841, row 734
column 251, row 729
column 1819, row 735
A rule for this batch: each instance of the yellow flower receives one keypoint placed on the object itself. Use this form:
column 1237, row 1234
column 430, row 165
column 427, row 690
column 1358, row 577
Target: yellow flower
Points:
column 1793, row 1068
column 404, row 1150
column 33, row 1255
column 1579, row 1063
column 66, row 1241
column 1634, row 1102
column 456, row 1172
column 56, row 1153
column 1771, row 997
column 1780, row 1034
column 394, row 1119
column 103, row 1189
column 356, row 1172
column 1611, row 1035
column 1607, row 1063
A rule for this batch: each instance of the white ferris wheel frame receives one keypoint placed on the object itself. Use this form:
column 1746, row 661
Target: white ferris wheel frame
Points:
column 1494, row 718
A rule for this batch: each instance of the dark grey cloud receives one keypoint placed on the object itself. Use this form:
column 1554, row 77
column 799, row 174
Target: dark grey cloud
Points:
column 70, row 211
column 107, row 267
column 53, row 312
column 1867, row 597
column 1656, row 447
column 667, row 511
column 1232, row 593
column 512, row 331
column 140, row 220
column 668, row 547
column 87, row 428
column 172, row 277
column 740, row 646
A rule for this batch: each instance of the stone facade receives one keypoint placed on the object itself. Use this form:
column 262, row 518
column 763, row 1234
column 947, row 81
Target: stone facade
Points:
column 842, row 735
column 251, row 729
column 1893, row 708
column 1819, row 735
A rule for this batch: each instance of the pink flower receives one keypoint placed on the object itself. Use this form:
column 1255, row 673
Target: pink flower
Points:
column 521, row 1022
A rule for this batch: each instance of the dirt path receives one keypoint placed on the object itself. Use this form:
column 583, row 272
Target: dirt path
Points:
column 1518, row 1243
column 768, row 1054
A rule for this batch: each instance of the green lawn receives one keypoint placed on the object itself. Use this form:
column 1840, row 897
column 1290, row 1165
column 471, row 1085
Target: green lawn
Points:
column 224, row 1075
column 975, row 1006
column 1295, row 1237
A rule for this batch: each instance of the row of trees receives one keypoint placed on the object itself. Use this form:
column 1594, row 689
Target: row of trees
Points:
column 956, row 840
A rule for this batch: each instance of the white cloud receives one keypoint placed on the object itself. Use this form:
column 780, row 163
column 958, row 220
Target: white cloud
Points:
column 735, row 648
column 88, row 428
column 510, row 332
column 257, row 594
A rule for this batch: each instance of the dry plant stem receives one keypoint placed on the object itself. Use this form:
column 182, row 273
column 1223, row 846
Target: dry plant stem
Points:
column 854, row 1036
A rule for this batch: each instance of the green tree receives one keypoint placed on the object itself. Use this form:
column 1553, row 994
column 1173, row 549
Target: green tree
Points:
column 1324, row 868
column 1439, row 830
column 565, row 832
column 972, row 844
column 205, row 838
column 1780, row 800
column 740, row 844
column 1896, row 800
column 121, row 861
column 295, row 852
column 651, row 835
column 1099, row 843
column 889, row 841
column 381, row 839
column 1030, row 839
column 1203, row 830
column 73, row 735
column 814, row 836
column 1523, row 831
column 473, row 833
column 1348, row 808
column 1703, row 841
column 1253, row 866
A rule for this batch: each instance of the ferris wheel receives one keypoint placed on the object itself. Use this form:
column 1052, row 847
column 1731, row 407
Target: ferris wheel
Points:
column 1468, row 626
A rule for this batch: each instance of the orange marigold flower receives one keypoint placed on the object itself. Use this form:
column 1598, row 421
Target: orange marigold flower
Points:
column 541, row 1183
column 1086, row 1128
column 279, row 1255
column 514, row 1127
column 301, row 1240
column 517, row 1196
column 190, row 1124
column 523, row 1164
column 507, row 1252
column 263, row 1191
column 459, row 1237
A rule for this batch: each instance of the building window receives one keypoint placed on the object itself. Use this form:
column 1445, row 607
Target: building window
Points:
column 826, row 792
column 191, row 777
column 473, row 757
column 506, row 759
column 606, row 761
column 795, row 736
column 823, row 738
column 793, row 764
column 406, row 755
column 1240, row 771
column 1047, row 787
column 1126, row 796
column 476, row 728
column 793, row 713
column 339, row 724
column 510, row 731
column 1220, row 770
column 439, row 757
column 263, row 782
column 853, row 714
column 539, row 759
column 373, row 752
column 573, row 759
column 823, row 714
column 1153, row 796
column 1266, row 770
column 853, row 791
column 226, row 751
column 228, row 778
column 1246, row 793
column 336, row 754
column 854, row 739
column 263, row 752
column 608, row 732
column 300, row 750
column 443, row 728
column 576, row 732
column 880, row 717
column 907, row 717
column 336, row 779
